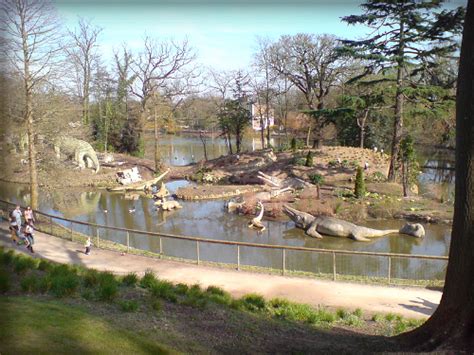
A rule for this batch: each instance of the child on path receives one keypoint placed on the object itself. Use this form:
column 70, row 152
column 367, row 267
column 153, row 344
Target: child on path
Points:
column 29, row 217
column 88, row 245
column 29, row 236
column 14, row 229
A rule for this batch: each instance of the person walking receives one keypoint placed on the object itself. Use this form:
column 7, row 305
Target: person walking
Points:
column 88, row 245
column 17, row 215
column 29, row 216
column 29, row 234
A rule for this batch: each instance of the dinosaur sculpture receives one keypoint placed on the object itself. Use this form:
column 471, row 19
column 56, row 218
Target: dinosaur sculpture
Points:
column 81, row 151
column 162, row 192
column 167, row 205
column 256, row 222
column 315, row 226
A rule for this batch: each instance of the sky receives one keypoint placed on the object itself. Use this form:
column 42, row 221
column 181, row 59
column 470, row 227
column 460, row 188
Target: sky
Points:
column 222, row 32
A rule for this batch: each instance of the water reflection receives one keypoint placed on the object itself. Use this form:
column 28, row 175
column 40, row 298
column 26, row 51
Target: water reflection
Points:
column 210, row 220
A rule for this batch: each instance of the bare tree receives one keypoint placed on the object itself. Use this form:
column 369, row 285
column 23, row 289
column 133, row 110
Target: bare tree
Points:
column 164, row 70
column 311, row 63
column 83, row 52
column 266, row 92
column 32, row 32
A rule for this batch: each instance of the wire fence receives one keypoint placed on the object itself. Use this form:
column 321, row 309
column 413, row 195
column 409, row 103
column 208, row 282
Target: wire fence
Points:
column 391, row 268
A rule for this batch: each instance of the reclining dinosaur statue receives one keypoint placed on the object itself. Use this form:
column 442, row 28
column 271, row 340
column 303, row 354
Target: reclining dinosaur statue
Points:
column 81, row 151
column 315, row 226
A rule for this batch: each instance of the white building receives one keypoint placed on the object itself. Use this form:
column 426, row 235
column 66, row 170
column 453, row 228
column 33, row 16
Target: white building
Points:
column 259, row 114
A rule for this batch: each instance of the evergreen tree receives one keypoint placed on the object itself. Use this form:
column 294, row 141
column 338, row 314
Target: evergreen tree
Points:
column 408, row 36
column 359, row 190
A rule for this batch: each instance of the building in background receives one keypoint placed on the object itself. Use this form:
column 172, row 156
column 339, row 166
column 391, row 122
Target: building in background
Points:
column 259, row 116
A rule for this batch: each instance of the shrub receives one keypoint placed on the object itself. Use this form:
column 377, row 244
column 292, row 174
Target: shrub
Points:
column 358, row 312
column 148, row 280
column 44, row 284
column 130, row 279
column 195, row 297
column 87, row 294
column 91, row 278
column 299, row 161
column 165, row 290
column 6, row 258
column 128, row 305
column 156, row 304
column 44, row 265
column 316, row 179
column 64, row 284
column 359, row 190
column 321, row 317
column 23, row 263
column 390, row 317
column 218, row 295
column 252, row 302
column 309, row 159
column 181, row 289
column 341, row 313
column 353, row 320
column 4, row 281
column 29, row 283
column 293, row 144
column 107, row 287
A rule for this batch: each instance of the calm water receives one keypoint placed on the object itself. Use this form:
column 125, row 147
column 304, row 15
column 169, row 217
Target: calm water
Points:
column 210, row 220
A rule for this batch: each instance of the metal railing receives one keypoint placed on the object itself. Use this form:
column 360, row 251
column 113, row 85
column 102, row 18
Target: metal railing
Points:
column 330, row 263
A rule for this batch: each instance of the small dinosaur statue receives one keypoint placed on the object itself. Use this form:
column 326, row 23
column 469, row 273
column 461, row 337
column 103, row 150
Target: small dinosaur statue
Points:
column 315, row 226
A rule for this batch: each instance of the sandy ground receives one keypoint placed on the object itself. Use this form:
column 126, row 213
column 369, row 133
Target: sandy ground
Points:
column 413, row 302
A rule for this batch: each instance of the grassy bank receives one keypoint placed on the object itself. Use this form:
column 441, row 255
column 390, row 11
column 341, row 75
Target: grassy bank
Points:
column 63, row 308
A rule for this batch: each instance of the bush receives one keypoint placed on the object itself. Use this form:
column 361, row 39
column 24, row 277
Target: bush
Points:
column 309, row 159
column 359, row 190
column 341, row 313
column 4, row 281
column 29, row 284
column 252, row 302
column 130, row 279
column 23, row 263
column 181, row 289
column 353, row 320
column 148, row 280
column 218, row 295
column 195, row 297
column 107, row 287
column 165, row 290
column 293, row 144
column 44, row 265
column 87, row 294
column 91, row 278
column 64, row 284
column 6, row 258
column 128, row 305
column 316, row 179
column 156, row 304
column 321, row 317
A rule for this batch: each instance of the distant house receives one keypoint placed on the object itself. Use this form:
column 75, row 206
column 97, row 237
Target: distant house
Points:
column 259, row 114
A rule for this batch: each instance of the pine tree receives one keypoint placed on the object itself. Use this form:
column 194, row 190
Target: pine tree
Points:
column 359, row 190
column 408, row 36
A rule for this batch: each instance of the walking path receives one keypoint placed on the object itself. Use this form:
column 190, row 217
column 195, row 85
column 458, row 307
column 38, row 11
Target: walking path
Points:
column 413, row 302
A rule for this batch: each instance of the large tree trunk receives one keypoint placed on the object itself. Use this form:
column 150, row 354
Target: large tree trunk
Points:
column 452, row 325
column 32, row 155
column 398, row 122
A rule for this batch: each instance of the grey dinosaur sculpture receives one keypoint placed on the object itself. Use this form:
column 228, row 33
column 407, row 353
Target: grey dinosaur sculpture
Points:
column 315, row 226
column 81, row 151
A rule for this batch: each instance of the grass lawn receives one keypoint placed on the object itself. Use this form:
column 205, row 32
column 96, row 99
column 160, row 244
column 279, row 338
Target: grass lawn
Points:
column 34, row 326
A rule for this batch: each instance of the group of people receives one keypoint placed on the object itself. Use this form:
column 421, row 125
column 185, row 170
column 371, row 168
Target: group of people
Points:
column 22, row 233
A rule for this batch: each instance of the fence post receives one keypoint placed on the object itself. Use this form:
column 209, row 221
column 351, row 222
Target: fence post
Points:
column 71, row 233
column 238, row 257
column 334, row 266
column 197, row 251
column 283, row 265
column 389, row 269
column 161, row 249
column 128, row 241
column 98, row 237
